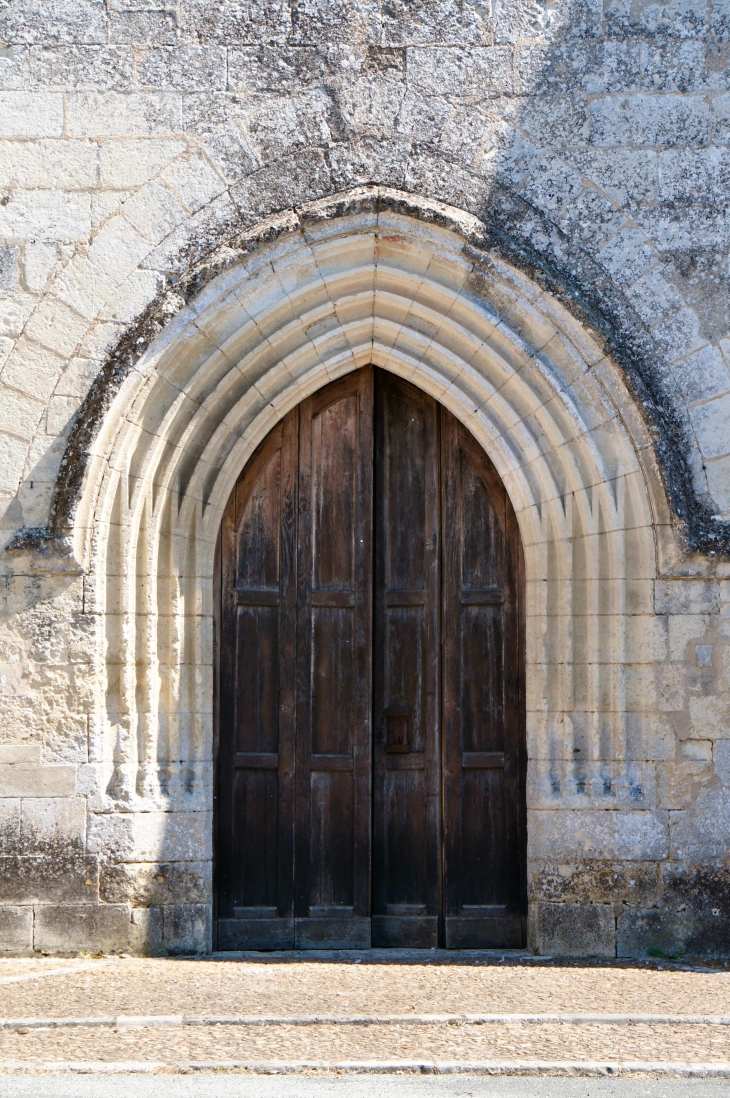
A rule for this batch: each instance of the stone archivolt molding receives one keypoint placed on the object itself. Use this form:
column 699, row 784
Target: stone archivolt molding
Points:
column 341, row 285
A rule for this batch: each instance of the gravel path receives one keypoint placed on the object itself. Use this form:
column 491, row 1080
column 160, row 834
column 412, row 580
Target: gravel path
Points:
column 392, row 1042
column 167, row 986
column 118, row 986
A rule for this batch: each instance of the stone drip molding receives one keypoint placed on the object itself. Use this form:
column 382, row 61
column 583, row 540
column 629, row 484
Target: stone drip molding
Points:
column 510, row 229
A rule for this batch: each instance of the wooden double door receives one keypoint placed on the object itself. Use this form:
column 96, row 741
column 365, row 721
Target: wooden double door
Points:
column 370, row 766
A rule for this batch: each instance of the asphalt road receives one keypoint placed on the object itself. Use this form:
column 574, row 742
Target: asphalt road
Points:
column 211, row 1085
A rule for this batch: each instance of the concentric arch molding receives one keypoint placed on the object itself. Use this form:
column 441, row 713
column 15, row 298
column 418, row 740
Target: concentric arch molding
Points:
column 511, row 234
column 421, row 290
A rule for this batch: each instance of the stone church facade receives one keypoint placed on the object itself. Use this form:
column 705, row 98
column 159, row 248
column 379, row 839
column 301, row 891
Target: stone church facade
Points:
column 209, row 210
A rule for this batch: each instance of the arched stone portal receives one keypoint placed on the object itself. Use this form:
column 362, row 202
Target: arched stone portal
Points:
column 402, row 286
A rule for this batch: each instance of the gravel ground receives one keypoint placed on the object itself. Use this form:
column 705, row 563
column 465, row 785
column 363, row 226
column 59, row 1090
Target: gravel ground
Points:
column 386, row 1042
column 114, row 986
column 222, row 987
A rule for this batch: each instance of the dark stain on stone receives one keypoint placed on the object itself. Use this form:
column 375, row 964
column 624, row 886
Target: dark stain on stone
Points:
column 597, row 882
column 701, row 275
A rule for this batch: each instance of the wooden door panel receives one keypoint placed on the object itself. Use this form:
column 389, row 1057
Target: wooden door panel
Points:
column 406, row 672
column 482, row 670
column 333, row 685
column 337, row 617
column 332, row 860
column 257, row 690
column 481, row 678
column 256, row 712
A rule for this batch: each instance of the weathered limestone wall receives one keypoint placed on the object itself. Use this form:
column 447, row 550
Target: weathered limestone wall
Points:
column 586, row 144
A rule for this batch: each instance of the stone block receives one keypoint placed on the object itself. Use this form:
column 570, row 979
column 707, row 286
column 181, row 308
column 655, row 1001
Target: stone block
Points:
column 67, row 165
column 660, row 121
column 13, row 452
column 74, row 66
column 720, row 121
column 145, row 932
column 55, row 878
column 83, row 286
column 16, row 930
column 681, row 782
column 703, row 375
column 595, row 882
column 73, row 928
column 119, row 114
column 629, row 255
column 21, row 780
column 186, row 67
column 52, row 215
column 478, row 71
column 710, row 421
column 57, row 327
column 235, row 22
column 709, row 717
column 151, row 836
column 702, row 832
column 147, row 885
column 652, row 932
column 132, row 297
column 17, row 307
column 20, row 753
column 697, row 902
column 673, row 65
column 195, row 181
column 143, row 27
column 690, row 596
column 154, row 211
column 572, row 930
column 131, row 163
column 9, row 823
column 32, row 21
column 258, row 69
column 40, row 259
column 118, row 248
column 696, row 750
column 31, row 114
column 8, row 268
column 654, row 298
column 19, row 414
column 187, row 928
column 605, row 835
column 628, row 176
column 14, row 68
column 55, row 823
column 683, row 629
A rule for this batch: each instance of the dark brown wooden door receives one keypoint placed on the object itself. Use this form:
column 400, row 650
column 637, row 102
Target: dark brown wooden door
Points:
column 371, row 704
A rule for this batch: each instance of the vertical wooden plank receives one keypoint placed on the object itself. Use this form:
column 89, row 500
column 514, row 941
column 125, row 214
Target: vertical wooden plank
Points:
column 256, row 722
column 484, row 847
column 334, row 679
column 406, row 667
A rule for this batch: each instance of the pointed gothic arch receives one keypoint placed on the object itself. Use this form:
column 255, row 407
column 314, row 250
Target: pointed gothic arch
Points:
column 344, row 286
